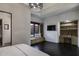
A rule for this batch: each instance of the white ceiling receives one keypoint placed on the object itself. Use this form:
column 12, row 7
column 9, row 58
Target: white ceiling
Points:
column 53, row 9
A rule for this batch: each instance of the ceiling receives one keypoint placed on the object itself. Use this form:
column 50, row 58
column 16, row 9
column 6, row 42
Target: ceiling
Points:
column 53, row 9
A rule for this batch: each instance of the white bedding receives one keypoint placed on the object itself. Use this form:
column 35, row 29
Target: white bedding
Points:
column 21, row 50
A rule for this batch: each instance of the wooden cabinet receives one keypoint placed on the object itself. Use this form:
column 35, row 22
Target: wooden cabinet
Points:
column 69, row 30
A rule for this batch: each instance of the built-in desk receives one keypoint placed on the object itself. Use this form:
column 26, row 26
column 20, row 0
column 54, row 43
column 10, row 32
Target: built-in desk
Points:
column 68, row 39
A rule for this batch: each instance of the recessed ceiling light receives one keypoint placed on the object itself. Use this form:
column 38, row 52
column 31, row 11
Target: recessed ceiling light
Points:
column 67, row 21
column 34, row 7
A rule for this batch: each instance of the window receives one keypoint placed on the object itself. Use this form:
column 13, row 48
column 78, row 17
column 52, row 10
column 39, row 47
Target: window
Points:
column 35, row 29
column 32, row 29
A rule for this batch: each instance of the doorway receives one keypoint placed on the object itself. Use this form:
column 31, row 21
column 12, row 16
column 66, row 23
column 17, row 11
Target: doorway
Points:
column 1, row 32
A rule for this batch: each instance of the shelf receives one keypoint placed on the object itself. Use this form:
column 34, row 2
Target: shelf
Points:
column 68, row 25
column 69, row 36
column 69, row 29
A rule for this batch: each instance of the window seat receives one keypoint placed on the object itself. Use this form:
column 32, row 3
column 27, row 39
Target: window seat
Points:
column 37, row 40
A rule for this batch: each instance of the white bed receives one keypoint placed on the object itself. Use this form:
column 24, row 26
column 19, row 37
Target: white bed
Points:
column 21, row 50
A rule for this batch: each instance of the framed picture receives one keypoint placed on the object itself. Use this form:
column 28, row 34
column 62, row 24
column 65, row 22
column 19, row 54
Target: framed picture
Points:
column 6, row 26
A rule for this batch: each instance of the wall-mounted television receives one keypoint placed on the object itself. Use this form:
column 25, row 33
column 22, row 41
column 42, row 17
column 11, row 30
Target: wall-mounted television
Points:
column 51, row 27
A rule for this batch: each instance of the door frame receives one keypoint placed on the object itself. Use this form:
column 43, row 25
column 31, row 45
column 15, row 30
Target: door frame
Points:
column 10, row 23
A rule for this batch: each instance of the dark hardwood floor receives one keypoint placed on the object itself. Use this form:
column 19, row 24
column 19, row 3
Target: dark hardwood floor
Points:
column 54, row 49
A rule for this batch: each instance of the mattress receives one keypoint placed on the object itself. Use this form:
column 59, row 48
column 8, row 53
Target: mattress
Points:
column 21, row 50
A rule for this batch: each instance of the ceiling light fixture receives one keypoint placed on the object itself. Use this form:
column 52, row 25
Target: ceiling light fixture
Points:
column 36, row 5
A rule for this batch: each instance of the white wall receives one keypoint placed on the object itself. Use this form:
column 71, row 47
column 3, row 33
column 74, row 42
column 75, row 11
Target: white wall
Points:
column 36, row 19
column 53, row 36
column 20, row 22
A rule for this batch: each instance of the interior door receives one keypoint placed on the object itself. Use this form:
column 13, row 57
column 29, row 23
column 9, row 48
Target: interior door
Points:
column 6, row 28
